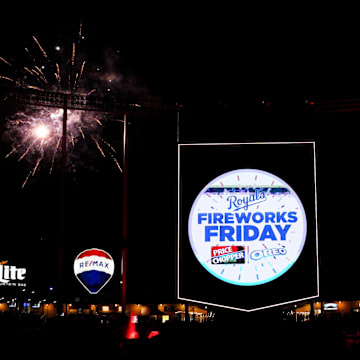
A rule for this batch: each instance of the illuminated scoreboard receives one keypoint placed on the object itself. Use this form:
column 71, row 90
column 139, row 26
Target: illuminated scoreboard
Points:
column 247, row 227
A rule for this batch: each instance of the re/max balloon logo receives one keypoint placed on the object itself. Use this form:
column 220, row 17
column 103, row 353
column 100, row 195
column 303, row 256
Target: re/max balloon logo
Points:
column 94, row 269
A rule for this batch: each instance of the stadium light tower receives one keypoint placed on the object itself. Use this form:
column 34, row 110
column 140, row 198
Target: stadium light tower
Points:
column 109, row 104
column 68, row 101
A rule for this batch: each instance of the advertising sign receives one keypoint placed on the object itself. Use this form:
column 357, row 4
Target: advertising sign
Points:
column 247, row 226
column 250, row 219
column 94, row 269
column 11, row 276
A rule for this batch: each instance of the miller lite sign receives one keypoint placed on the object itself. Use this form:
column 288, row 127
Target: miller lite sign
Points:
column 11, row 275
column 94, row 269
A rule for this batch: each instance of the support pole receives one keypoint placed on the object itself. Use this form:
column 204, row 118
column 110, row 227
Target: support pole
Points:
column 63, row 170
column 61, row 239
column 177, row 123
column 124, row 217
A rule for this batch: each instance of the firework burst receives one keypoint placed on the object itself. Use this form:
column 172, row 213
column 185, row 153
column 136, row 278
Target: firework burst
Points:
column 35, row 133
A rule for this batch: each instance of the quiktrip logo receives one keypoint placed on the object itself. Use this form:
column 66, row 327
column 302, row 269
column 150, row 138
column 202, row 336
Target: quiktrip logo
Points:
column 247, row 227
column 94, row 269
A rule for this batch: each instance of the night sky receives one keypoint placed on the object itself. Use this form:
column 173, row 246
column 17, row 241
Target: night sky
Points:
column 236, row 83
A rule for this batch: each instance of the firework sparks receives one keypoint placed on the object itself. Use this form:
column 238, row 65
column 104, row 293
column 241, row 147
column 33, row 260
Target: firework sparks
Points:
column 36, row 133
column 57, row 74
column 54, row 154
column 5, row 61
column 38, row 136
column 98, row 146
column 50, row 70
column 7, row 78
column 73, row 55
column 40, row 47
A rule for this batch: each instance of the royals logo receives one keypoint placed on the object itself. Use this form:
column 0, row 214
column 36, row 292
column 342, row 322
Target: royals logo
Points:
column 238, row 203
column 94, row 269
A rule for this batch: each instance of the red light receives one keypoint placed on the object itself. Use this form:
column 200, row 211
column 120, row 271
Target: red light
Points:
column 131, row 332
column 153, row 333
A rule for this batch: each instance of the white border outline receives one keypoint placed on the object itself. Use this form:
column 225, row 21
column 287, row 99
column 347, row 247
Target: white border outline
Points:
column 316, row 226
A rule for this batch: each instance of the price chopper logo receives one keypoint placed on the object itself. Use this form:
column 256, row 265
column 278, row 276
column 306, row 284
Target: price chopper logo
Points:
column 247, row 227
column 10, row 274
column 94, row 269
column 227, row 255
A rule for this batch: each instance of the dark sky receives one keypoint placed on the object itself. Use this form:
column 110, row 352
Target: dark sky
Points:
column 182, row 51
column 221, row 67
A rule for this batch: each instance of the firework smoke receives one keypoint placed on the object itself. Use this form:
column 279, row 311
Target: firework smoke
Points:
column 36, row 136
column 35, row 133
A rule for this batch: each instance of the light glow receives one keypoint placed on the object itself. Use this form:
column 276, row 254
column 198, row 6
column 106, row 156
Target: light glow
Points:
column 41, row 132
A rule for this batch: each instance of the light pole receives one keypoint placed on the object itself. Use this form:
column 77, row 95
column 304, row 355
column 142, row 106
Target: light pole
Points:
column 61, row 239
column 125, row 217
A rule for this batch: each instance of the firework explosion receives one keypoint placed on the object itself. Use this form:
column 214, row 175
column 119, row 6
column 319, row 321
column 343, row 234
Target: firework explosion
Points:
column 36, row 133
column 61, row 69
